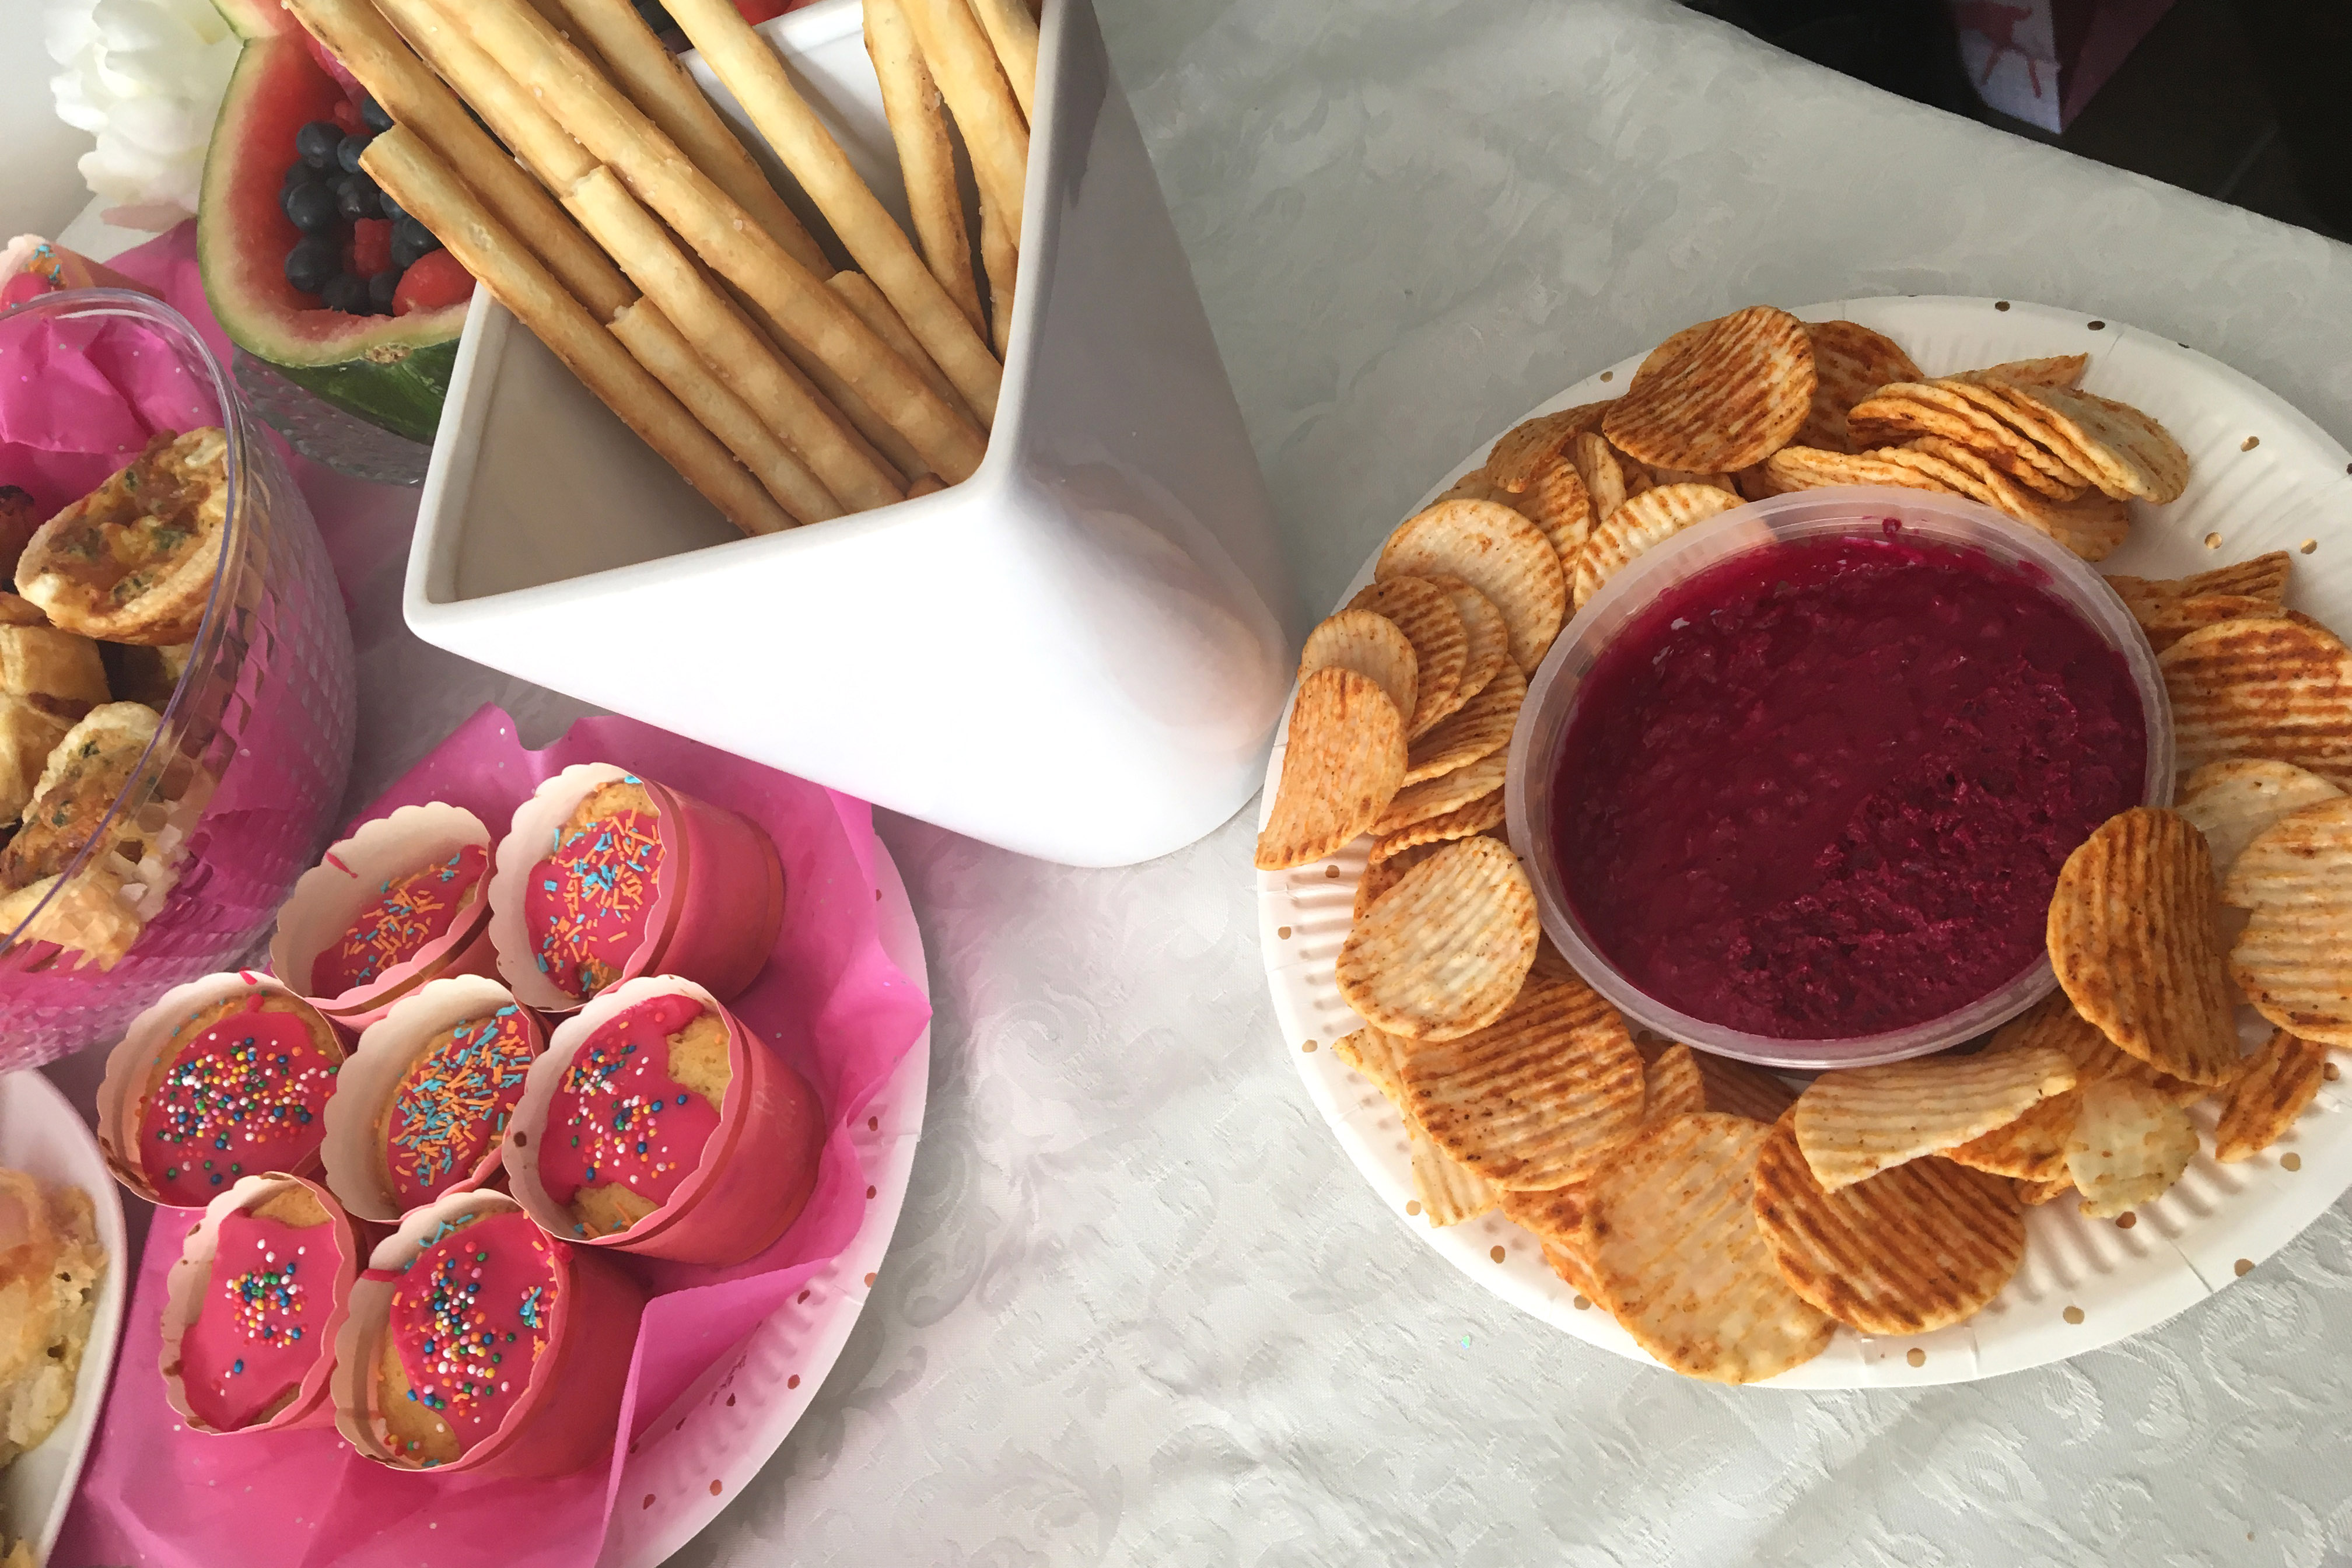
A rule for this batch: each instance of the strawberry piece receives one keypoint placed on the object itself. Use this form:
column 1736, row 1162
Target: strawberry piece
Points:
column 334, row 68
column 371, row 246
column 347, row 115
column 436, row 281
column 757, row 11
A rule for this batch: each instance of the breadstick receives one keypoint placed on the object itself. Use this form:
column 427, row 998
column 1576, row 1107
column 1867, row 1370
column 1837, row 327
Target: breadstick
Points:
column 655, row 343
column 754, row 74
column 513, row 116
column 396, row 78
column 800, row 308
column 926, row 157
column 640, row 66
column 880, row 435
column 964, row 65
column 424, row 185
column 1013, row 31
column 875, row 312
column 738, row 354
column 1004, row 265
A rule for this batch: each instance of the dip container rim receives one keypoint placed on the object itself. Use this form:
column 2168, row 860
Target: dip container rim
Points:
column 1847, row 512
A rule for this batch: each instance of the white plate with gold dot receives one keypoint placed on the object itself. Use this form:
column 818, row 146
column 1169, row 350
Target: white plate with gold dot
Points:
column 699, row 1454
column 2262, row 477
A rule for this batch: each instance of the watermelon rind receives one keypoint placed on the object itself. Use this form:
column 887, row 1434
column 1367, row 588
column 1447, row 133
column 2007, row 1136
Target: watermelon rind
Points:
column 392, row 371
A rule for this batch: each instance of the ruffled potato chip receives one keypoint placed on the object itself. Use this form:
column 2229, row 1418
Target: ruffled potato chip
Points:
column 1557, row 502
column 2270, row 1091
column 1850, row 362
column 1855, row 1122
column 1488, row 640
column 1344, row 763
column 2032, row 1148
column 2128, row 452
column 2293, row 960
column 1425, row 612
column 1480, row 728
column 1672, row 1084
column 1603, row 469
column 2280, row 688
column 2129, row 1145
column 2261, row 577
column 1971, row 415
column 1477, row 817
column 1449, row 1191
column 1496, row 552
column 2235, row 801
column 1524, row 448
column 1371, row 644
column 1445, row 950
column 1733, row 395
column 1649, row 519
column 1433, row 798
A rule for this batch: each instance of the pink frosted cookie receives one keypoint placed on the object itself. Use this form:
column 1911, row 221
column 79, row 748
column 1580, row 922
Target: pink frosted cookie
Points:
column 408, row 914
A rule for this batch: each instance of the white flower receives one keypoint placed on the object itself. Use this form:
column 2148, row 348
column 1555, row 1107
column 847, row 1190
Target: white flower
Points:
column 145, row 77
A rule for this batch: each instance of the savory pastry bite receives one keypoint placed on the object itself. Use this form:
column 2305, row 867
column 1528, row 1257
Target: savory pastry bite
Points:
column 148, row 675
column 226, row 1076
column 50, row 1262
column 132, row 561
column 261, row 1286
column 84, row 775
column 48, row 679
column 19, row 521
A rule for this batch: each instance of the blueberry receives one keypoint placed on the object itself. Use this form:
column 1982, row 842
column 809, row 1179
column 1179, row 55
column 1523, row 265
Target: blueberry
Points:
column 392, row 209
column 373, row 116
column 348, row 151
column 345, row 293
column 380, row 288
column 311, row 207
column 297, row 173
column 313, row 262
column 411, row 240
column 355, row 196
column 316, row 142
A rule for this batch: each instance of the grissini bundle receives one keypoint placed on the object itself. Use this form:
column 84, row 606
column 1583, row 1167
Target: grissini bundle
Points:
column 796, row 303
column 399, row 161
column 918, row 127
column 655, row 343
column 753, row 73
column 642, row 67
column 963, row 63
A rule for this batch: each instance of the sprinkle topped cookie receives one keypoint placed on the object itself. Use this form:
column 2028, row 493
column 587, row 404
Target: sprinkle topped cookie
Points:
column 467, row 1321
column 263, row 1322
column 634, row 1112
column 452, row 1103
column 586, row 905
column 409, row 913
column 239, row 1092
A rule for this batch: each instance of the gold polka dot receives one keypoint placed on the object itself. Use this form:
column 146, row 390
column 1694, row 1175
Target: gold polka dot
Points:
column 1608, row 375
column 1413, row 1205
column 793, row 1381
column 2212, row 541
column 2098, row 326
column 648, row 1502
column 2000, row 304
column 2290, row 1161
column 869, row 1279
column 869, row 1192
column 1332, row 872
column 1308, row 1047
column 2125, row 1220
column 1495, row 1253
column 1916, row 1356
column 714, row 1488
column 2308, row 545
column 878, row 895
column 2072, row 1314
column 873, row 1124
column 2331, row 1072
column 1583, row 1305
column 2249, row 443
column 730, row 1402
column 802, row 1297
column 1282, row 932
column 2245, row 1267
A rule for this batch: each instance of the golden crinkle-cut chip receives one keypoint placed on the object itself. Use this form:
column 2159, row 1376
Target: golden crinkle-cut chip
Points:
column 1602, row 469
column 1478, row 816
column 1976, row 417
column 1449, row 1191
column 1475, row 486
column 1535, row 1098
column 2280, row 688
column 2129, row 452
column 1379, row 875
column 2261, row 577
column 1733, row 395
column 1524, row 448
column 1557, row 502
column 2033, row 1195
column 2170, row 620
column 1343, row 765
column 1678, row 1260
column 1376, row 1057
column 2137, row 947
column 1445, row 950
column 1811, row 468
column 2092, row 526
column 1661, row 358
column 1555, row 1217
column 2233, row 802
column 1674, row 1085
column 1425, row 612
column 1496, row 552
column 2293, row 960
column 1856, row 1121
column 1488, row 641
column 1850, row 362
column 1480, row 728
column 2032, row 1148
column 1651, row 518
column 2053, row 1021
column 1918, row 1248
column 2269, row 1092
column 1448, row 792
column 1370, row 644
column 2129, row 1145
column 2058, row 370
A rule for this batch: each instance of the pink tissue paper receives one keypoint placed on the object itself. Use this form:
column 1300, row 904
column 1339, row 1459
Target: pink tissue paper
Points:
column 829, row 1002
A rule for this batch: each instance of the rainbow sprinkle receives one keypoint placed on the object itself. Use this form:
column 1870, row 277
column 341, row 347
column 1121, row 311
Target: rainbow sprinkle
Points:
column 262, row 1299
column 458, row 1344
column 632, row 1122
column 413, row 911
column 251, row 1083
column 456, row 1100
column 601, row 877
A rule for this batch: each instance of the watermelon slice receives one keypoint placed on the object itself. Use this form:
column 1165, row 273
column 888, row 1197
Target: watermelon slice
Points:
column 392, row 371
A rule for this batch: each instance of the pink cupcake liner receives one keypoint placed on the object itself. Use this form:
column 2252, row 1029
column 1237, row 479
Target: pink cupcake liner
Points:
column 754, row 1177
column 716, row 910
column 149, row 1038
column 191, row 1281
column 332, row 894
column 568, row 1416
column 354, row 1151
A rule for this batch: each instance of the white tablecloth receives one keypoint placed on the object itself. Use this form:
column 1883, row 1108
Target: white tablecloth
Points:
column 1140, row 1308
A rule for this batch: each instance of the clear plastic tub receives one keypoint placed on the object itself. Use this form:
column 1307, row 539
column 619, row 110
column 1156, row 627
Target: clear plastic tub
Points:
column 1856, row 510
column 234, row 796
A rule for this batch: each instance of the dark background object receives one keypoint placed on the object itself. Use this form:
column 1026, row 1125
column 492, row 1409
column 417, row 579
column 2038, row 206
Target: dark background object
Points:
column 2248, row 102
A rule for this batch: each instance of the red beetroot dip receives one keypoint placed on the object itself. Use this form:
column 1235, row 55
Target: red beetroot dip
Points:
column 1824, row 789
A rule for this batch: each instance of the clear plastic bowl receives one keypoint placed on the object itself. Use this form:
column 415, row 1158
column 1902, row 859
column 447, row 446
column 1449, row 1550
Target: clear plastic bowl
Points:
column 1854, row 510
column 235, row 794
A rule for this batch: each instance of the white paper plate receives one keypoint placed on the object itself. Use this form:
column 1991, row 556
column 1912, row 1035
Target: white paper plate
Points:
column 2262, row 477
column 700, row 1453
column 42, row 1135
